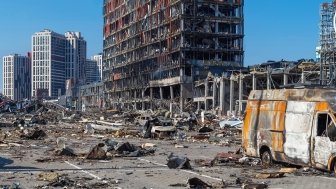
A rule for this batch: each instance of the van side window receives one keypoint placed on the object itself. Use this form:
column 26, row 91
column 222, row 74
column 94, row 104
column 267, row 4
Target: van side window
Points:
column 322, row 123
column 326, row 127
column 331, row 130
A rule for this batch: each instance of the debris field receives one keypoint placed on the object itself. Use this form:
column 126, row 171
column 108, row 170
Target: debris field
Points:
column 46, row 146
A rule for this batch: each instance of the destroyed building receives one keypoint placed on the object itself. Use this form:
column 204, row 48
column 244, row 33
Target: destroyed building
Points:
column 156, row 49
column 91, row 96
column 326, row 50
column 228, row 93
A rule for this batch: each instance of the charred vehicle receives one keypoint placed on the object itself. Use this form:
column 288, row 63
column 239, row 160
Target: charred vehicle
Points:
column 294, row 126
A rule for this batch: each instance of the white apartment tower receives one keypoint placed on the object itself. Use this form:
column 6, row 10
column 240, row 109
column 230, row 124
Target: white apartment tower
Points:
column 99, row 59
column 48, row 63
column 75, row 56
column 17, row 76
column 56, row 58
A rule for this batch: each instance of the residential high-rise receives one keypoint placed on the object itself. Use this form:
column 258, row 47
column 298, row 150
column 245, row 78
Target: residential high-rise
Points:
column 17, row 76
column 55, row 59
column 75, row 56
column 156, row 49
column 99, row 59
column 48, row 63
column 91, row 71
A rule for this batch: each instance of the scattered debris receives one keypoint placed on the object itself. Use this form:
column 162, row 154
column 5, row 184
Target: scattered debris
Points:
column 36, row 134
column 233, row 122
column 120, row 135
column 254, row 186
column 43, row 160
column 250, row 161
column 49, row 176
column 206, row 163
column 179, row 185
column 62, row 181
column 269, row 175
column 225, row 157
column 205, row 130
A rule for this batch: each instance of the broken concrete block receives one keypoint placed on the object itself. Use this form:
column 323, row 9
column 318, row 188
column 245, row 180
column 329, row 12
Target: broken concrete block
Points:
column 4, row 145
column 306, row 169
column 89, row 129
column 148, row 145
column 288, row 170
column 269, row 175
column 125, row 147
column 60, row 141
column 97, row 152
column 180, row 146
column 197, row 183
column 111, row 144
column 178, row 162
column 65, row 152
column 244, row 160
column 205, row 162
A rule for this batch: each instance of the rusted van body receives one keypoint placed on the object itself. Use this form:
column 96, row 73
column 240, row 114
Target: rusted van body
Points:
column 296, row 126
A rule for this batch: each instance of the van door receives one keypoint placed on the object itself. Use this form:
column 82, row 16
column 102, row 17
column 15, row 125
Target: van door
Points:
column 324, row 137
column 298, row 121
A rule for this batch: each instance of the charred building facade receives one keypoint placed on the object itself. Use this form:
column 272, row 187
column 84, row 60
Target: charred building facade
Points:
column 154, row 50
column 326, row 52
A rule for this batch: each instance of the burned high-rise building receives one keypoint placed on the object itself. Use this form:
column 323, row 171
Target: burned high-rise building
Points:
column 156, row 49
column 326, row 53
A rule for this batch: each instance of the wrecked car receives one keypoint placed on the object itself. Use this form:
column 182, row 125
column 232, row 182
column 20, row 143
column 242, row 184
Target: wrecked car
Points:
column 295, row 126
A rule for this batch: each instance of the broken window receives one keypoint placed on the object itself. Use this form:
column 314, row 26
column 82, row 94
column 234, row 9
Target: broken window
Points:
column 322, row 122
column 331, row 130
column 326, row 127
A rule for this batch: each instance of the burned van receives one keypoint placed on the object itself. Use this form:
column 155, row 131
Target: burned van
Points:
column 295, row 126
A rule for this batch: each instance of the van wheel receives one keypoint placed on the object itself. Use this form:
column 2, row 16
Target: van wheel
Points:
column 266, row 158
column 334, row 168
